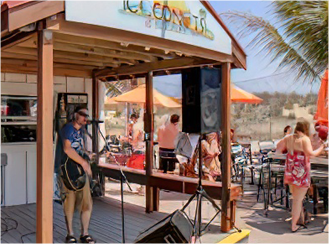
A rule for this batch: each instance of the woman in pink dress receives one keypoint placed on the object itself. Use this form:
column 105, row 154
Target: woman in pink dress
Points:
column 297, row 168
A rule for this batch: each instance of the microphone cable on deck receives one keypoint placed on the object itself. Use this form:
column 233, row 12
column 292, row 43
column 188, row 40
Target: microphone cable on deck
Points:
column 6, row 226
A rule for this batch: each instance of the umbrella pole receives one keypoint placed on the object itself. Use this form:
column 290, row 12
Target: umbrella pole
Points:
column 127, row 118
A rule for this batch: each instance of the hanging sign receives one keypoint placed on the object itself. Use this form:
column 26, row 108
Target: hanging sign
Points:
column 182, row 21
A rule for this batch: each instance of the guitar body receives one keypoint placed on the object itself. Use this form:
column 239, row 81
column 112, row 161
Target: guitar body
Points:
column 73, row 175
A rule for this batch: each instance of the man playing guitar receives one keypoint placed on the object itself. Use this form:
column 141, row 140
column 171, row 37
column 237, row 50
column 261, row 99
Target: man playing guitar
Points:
column 72, row 135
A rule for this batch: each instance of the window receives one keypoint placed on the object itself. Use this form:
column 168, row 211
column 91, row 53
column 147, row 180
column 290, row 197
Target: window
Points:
column 18, row 119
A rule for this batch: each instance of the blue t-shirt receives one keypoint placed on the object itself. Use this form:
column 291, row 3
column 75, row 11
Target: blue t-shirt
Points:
column 76, row 137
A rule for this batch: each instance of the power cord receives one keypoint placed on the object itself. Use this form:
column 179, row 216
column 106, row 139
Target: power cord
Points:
column 7, row 226
column 27, row 235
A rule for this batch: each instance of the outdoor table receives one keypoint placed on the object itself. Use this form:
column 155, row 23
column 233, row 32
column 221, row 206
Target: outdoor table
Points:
column 319, row 176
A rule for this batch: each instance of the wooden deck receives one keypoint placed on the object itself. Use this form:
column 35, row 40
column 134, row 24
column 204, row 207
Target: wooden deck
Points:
column 105, row 224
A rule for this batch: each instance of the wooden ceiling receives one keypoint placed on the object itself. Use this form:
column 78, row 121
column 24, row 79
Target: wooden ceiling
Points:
column 79, row 54
column 83, row 50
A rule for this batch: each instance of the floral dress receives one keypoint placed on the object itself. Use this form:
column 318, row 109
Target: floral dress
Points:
column 297, row 169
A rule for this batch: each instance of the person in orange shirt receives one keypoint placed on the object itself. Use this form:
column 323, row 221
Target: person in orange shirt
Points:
column 166, row 138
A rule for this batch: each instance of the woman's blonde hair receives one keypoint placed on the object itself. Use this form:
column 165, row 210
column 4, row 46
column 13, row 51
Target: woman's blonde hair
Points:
column 303, row 126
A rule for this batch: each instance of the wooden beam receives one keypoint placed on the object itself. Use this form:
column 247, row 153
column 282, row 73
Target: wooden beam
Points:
column 15, row 39
column 13, row 68
column 25, row 57
column 149, row 132
column 32, row 63
column 106, row 52
column 45, row 164
column 92, row 42
column 69, row 55
column 4, row 20
column 155, row 66
column 240, row 56
column 237, row 50
column 95, row 112
column 124, row 57
column 226, row 145
column 31, row 12
column 123, row 36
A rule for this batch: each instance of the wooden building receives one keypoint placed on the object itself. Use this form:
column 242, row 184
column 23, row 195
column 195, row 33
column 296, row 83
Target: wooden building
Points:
column 74, row 46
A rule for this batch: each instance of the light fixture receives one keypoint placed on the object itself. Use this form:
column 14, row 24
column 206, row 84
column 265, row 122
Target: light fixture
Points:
column 124, row 44
column 147, row 48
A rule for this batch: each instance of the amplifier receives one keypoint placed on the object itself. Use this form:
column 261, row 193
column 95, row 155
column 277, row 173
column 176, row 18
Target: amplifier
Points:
column 176, row 228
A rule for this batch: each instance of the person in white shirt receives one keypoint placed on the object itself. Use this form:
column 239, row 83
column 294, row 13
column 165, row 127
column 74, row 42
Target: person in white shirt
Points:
column 166, row 138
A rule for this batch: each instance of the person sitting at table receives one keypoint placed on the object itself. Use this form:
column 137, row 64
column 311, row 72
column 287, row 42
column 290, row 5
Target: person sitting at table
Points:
column 210, row 152
column 133, row 120
column 167, row 134
column 297, row 167
column 287, row 130
column 321, row 134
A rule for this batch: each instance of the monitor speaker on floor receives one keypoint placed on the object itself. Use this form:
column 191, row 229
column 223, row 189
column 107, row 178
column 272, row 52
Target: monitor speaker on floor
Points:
column 176, row 228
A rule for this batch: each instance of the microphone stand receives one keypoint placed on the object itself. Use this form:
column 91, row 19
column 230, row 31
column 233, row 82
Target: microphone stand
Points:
column 123, row 179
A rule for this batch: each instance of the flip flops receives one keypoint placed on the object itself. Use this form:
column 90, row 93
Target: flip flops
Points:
column 70, row 239
column 86, row 239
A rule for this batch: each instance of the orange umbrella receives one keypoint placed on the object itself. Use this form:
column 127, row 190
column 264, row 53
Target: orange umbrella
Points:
column 240, row 96
column 110, row 101
column 138, row 96
column 322, row 108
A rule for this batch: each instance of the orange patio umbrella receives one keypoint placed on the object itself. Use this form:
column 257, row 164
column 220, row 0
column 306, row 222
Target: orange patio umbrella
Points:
column 110, row 100
column 321, row 114
column 137, row 95
column 240, row 96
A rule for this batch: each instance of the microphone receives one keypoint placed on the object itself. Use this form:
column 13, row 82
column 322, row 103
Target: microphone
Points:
column 95, row 121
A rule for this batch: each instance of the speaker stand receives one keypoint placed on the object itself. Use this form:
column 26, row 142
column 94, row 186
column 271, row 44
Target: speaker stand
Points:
column 199, row 194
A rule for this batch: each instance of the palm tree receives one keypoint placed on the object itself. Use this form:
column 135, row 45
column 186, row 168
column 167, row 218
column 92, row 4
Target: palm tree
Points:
column 299, row 38
column 116, row 88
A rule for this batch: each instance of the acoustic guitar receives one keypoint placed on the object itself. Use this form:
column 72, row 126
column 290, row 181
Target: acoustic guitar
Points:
column 73, row 175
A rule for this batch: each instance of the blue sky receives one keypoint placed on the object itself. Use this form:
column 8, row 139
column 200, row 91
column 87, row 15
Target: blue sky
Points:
column 259, row 66
column 261, row 75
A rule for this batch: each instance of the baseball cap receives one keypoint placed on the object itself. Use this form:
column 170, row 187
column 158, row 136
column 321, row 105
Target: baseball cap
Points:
column 79, row 109
column 323, row 132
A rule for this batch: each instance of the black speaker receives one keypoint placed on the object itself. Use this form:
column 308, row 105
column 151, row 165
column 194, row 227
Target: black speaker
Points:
column 176, row 228
column 201, row 89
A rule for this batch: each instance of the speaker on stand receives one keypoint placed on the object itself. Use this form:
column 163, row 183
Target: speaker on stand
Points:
column 201, row 107
column 201, row 89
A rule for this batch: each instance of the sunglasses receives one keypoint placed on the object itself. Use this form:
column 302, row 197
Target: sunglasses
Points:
column 83, row 114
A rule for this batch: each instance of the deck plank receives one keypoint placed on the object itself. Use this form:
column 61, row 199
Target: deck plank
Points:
column 105, row 224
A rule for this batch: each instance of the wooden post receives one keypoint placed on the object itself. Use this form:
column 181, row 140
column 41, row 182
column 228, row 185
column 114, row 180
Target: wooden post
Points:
column 149, row 130
column 226, row 146
column 95, row 114
column 45, row 164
